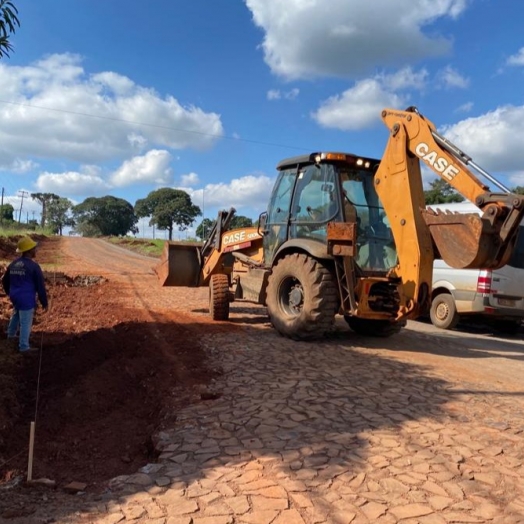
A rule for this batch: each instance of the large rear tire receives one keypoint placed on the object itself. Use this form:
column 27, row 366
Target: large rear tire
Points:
column 301, row 297
column 369, row 327
column 443, row 312
column 219, row 297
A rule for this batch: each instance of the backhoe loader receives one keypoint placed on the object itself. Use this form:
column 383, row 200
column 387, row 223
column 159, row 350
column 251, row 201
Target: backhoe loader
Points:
column 350, row 235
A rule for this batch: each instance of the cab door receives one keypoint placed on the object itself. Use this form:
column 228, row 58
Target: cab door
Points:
column 277, row 222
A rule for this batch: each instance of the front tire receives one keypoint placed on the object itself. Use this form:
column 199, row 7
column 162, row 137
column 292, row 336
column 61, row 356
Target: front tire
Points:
column 301, row 297
column 443, row 312
column 219, row 297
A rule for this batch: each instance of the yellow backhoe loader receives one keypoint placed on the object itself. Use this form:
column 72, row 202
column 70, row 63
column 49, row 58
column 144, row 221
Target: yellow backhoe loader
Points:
column 350, row 235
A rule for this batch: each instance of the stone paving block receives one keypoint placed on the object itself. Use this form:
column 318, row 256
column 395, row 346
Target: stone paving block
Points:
column 272, row 492
column 263, row 503
column 258, row 517
column 341, row 517
column 410, row 511
column 374, row 510
column 459, row 517
column 179, row 520
column 154, row 511
column 239, row 505
column 185, row 507
column 439, row 503
column 301, row 500
column 213, row 520
column 289, row 516
column 217, row 509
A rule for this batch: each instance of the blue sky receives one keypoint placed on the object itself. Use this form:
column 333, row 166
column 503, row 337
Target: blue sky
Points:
column 122, row 97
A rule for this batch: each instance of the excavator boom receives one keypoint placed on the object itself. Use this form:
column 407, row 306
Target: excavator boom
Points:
column 462, row 240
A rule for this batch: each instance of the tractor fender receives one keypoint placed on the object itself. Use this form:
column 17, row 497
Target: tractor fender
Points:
column 314, row 248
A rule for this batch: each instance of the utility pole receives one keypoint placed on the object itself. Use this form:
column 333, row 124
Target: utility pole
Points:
column 24, row 193
column 2, row 209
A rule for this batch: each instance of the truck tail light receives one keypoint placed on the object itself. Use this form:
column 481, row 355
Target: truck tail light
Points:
column 484, row 281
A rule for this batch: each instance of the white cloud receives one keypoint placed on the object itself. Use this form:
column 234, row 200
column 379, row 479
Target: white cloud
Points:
column 516, row 59
column 61, row 95
column 275, row 94
column 517, row 179
column 404, row 78
column 304, row 40
column 19, row 165
column 493, row 140
column 250, row 191
column 30, row 208
column 189, row 180
column 450, row 78
column 358, row 107
column 465, row 108
column 71, row 183
column 151, row 168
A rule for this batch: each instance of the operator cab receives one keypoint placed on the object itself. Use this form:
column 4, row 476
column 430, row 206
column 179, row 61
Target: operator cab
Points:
column 312, row 190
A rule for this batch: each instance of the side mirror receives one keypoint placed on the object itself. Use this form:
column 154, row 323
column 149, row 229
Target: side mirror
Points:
column 262, row 221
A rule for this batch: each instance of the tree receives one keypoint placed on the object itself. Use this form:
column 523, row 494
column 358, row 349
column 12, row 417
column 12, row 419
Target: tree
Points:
column 168, row 207
column 57, row 215
column 240, row 221
column 44, row 199
column 8, row 23
column 519, row 190
column 237, row 222
column 105, row 216
column 441, row 192
column 7, row 212
column 205, row 227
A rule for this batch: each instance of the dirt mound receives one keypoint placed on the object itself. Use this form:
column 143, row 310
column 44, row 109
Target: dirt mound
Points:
column 108, row 378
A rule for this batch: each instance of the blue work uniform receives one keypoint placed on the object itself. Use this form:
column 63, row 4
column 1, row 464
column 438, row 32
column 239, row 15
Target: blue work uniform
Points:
column 23, row 281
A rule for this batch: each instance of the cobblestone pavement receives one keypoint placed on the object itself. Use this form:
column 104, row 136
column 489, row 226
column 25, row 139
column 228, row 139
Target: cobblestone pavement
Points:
column 338, row 431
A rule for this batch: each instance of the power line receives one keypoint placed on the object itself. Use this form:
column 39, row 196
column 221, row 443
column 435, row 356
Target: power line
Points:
column 154, row 125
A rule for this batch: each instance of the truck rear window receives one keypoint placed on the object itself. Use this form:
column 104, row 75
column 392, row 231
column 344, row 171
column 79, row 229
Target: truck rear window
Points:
column 517, row 257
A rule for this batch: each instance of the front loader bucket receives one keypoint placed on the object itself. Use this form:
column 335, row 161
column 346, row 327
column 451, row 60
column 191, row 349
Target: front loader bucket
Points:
column 179, row 264
column 464, row 240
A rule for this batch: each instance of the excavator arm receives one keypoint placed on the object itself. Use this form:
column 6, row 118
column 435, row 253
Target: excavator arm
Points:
column 461, row 240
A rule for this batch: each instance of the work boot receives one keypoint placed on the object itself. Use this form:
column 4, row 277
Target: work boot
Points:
column 29, row 350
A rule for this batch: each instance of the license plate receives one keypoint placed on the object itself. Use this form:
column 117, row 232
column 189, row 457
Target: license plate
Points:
column 506, row 302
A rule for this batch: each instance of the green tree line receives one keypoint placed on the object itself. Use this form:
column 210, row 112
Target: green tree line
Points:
column 168, row 209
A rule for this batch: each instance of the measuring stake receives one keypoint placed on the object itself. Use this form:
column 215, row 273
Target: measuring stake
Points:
column 31, row 449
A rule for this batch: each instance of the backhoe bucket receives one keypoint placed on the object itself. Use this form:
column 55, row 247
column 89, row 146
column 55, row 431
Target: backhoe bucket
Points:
column 464, row 240
column 179, row 264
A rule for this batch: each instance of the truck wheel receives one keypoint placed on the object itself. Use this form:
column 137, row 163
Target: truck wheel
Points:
column 443, row 312
column 373, row 328
column 219, row 297
column 301, row 297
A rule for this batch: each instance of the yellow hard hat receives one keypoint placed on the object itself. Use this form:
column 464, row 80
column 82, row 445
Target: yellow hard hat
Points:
column 25, row 244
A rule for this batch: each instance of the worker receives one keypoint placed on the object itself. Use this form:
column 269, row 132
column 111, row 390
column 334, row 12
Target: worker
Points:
column 22, row 282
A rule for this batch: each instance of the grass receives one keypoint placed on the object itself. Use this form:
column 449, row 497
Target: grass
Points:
column 12, row 230
column 151, row 248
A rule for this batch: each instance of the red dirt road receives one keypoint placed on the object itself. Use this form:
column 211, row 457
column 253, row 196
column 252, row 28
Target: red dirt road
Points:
column 115, row 361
